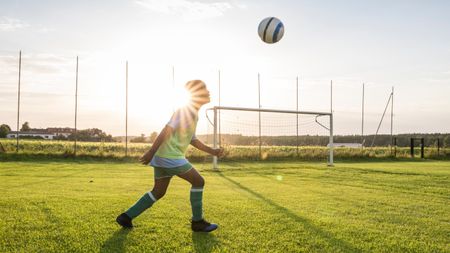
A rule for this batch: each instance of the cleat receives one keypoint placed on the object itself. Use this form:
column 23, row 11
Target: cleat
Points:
column 124, row 220
column 203, row 226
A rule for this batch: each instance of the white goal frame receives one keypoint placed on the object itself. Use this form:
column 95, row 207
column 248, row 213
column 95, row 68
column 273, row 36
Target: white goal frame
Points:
column 215, row 109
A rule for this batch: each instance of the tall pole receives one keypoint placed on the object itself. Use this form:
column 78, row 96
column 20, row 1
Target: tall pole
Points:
column 331, row 158
column 331, row 96
column 76, row 108
column 331, row 144
column 296, row 93
column 220, row 132
column 362, row 118
column 259, row 114
column 173, row 85
column 173, row 77
column 382, row 117
column 126, row 109
column 18, row 101
column 392, row 118
column 215, row 138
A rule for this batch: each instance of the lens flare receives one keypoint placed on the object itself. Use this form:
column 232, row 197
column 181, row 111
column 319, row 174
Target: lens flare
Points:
column 181, row 98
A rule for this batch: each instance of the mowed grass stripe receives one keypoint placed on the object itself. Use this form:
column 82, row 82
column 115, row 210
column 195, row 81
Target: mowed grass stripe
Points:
column 277, row 207
column 426, row 182
column 375, row 204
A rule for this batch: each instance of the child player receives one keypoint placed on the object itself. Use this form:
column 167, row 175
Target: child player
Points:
column 167, row 156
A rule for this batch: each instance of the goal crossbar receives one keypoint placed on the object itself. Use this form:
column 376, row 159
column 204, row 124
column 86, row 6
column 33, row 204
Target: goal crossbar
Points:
column 266, row 110
column 230, row 108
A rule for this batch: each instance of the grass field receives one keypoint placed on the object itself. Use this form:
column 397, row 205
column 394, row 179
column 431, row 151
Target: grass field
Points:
column 233, row 153
column 68, row 206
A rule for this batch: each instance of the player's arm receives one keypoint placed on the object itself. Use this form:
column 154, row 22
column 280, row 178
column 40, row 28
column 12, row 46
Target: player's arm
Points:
column 163, row 135
column 201, row 146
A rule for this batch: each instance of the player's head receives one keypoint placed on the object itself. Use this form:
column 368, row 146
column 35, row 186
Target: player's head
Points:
column 199, row 93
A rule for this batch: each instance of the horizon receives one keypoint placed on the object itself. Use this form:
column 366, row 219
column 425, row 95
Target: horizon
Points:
column 384, row 44
column 233, row 134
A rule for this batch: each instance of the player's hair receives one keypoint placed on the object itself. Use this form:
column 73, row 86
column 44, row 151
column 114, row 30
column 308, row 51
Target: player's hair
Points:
column 194, row 86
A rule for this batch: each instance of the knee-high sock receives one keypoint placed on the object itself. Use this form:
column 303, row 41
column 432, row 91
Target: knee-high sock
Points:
column 196, row 203
column 141, row 205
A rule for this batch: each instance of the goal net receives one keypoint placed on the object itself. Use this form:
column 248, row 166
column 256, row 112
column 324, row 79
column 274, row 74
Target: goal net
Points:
column 270, row 134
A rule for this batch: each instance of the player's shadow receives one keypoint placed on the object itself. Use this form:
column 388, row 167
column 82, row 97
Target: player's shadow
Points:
column 333, row 242
column 115, row 243
column 204, row 242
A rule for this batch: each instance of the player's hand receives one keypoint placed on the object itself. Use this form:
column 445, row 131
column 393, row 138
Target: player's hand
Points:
column 219, row 152
column 146, row 158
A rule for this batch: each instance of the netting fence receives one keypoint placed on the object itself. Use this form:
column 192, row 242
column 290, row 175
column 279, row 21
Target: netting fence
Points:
column 48, row 100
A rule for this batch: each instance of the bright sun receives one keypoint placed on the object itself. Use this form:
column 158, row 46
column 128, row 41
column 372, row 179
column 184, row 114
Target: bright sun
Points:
column 181, row 98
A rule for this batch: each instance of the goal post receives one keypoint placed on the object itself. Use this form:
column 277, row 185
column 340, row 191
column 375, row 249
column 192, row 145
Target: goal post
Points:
column 255, row 126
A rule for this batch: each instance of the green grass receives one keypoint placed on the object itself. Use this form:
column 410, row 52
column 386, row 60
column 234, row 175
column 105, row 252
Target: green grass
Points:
column 68, row 206
column 116, row 150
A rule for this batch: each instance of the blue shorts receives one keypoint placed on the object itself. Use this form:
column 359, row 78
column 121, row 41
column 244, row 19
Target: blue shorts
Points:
column 161, row 172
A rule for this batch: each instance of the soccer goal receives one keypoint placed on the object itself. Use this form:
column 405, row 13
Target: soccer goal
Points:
column 264, row 134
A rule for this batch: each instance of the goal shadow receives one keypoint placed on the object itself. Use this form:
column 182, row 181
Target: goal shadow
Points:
column 307, row 224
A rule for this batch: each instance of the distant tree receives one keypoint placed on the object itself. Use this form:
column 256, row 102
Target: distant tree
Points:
column 60, row 137
column 93, row 134
column 153, row 137
column 140, row 139
column 4, row 130
column 447, row 141
column 25, row 127
column 6, row 126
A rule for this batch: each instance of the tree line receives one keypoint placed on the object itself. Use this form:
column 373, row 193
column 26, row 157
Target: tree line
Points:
column 92, row 134
column 402, row 140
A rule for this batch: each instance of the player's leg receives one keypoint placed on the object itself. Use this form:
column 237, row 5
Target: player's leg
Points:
column 196, row 198
column 196, row 195
column 145, row 202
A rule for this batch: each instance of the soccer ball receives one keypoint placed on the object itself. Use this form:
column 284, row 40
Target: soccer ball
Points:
column 271, row 30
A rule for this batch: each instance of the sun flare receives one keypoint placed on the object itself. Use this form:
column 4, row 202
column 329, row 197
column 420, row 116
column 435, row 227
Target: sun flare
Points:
column 181, row 97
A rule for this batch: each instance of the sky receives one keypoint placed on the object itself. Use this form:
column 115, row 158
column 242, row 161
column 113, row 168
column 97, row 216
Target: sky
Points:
column 384, row 44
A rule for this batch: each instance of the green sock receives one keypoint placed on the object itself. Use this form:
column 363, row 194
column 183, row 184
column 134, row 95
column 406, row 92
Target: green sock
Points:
column 141, row 205
column 196, row 203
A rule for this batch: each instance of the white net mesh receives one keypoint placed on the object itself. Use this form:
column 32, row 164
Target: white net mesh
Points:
column 269, row 135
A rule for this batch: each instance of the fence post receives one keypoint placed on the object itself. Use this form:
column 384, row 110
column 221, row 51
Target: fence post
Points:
column 76, row 110
column 422, row 148
column 296, row 142
column 331, row 159
column 18, row 102
column 126, row 109
column 395, row 146
column 259, row 116
column 215, row 138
